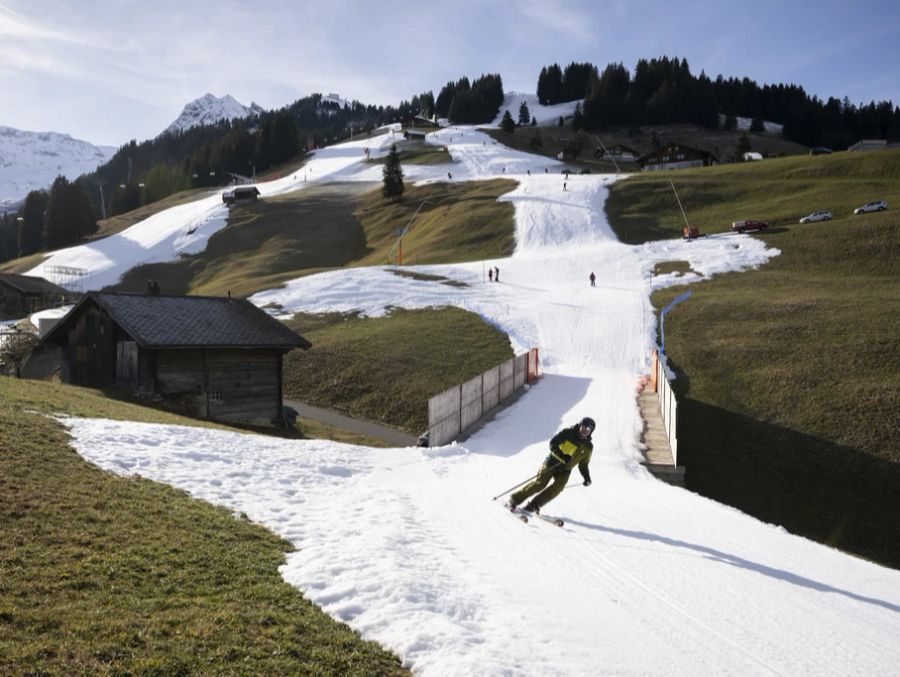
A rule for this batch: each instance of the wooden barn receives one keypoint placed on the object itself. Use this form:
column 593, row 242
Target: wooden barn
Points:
column 676, row 156
column 21, row 295
column 208, row 357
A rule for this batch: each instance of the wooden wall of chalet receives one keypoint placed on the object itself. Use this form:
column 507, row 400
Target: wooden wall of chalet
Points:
column 90, row 352
column 228, row 385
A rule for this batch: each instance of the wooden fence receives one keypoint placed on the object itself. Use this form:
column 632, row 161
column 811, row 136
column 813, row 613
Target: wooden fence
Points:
column 457, row 409
column 668, row 405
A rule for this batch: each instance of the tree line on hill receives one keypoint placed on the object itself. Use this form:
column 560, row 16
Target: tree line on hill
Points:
column 470, row 104
column 664, row 91
column 48, row 220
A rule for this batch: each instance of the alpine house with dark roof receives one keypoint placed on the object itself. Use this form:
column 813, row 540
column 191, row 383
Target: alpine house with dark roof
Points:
column 210, row 357
column 21, row 295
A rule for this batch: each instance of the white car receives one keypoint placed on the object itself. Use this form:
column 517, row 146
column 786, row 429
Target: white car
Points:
column 877, row 206
column 817, row 216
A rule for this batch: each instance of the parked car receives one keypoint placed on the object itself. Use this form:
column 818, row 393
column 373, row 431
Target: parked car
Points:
column 824, row 215
column 820, row 150
column 585, row 171
column 877, row 206
column 742, row 226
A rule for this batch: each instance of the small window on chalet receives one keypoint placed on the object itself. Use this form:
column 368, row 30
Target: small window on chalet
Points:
column 215, row 395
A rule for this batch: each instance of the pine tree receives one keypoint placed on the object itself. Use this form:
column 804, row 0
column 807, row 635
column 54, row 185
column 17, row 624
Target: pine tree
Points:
column 524, row 114
column 507, row 124
column 393, row 177
column 30, row 228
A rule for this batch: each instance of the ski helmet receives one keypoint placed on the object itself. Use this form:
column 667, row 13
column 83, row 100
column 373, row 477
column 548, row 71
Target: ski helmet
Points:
column 588, row 422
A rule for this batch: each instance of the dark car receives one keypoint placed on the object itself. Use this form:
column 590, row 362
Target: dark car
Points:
column 820, row 150
column 743, row 226
column 585, row 171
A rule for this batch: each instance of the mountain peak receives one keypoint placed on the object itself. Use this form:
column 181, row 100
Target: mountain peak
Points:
column 32, row 160
column 209, row 110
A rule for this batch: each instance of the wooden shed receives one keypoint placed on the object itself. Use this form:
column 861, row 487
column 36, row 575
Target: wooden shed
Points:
column 21, row 295
column 209, row 357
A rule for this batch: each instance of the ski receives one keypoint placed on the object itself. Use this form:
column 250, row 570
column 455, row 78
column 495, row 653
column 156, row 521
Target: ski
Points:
column 517, row 512
column 553, row 520
column 523, row 515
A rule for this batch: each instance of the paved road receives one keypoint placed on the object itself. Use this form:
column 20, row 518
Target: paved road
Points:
column 389, row 435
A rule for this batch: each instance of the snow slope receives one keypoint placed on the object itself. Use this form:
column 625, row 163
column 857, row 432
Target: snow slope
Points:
column 406, row 546
column 546, row 115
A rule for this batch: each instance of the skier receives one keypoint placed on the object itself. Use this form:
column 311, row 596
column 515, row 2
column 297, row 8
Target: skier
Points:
column 496, row 274
column 593, row 279
column 570, row 447
column 490, row 274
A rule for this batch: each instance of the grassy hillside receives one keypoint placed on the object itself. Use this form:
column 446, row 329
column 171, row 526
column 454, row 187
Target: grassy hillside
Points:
column 385, row 369
column 280, row 238
column 788, row 377
column 779, row 191
column 108, row 575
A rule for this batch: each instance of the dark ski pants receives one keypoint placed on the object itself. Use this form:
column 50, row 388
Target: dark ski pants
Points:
column 551, row 469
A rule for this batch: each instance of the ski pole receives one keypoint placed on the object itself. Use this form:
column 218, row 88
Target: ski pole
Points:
column 512, row 488
column 552, row 467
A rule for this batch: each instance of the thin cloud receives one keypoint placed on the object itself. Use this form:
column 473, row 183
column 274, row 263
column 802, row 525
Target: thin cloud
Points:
column 558, row 15
column 16, row 26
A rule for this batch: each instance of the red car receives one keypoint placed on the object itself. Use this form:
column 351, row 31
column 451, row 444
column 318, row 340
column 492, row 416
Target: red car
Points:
column 742, row 226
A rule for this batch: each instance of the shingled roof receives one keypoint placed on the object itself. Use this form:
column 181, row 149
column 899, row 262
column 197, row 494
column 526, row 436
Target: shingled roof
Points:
column 28, row 284
column 156, row 321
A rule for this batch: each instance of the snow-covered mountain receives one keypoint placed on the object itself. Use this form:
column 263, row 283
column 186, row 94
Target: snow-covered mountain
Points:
column 32, row 160
column 210, row 109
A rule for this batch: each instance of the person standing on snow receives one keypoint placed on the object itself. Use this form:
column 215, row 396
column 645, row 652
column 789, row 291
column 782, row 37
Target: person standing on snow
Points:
column 570, row 447
column 593, row 279
column 490, row 274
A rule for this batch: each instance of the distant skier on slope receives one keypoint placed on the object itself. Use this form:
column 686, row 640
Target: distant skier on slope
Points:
column 570, row 447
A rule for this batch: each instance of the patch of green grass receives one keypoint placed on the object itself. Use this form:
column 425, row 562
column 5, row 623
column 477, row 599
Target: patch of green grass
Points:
column 419, row 153
column 108, row 575
column 385, row 369
column 269, row 242
column 461, row 221
column 779, row 191
column 789, row 381
column 666, row 267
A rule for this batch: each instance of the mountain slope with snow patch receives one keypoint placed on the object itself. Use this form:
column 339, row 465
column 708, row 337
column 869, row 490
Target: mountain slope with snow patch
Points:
column 406, row 545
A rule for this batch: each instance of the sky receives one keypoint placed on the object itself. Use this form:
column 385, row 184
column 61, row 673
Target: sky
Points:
column 406, row 545
column 114, row 70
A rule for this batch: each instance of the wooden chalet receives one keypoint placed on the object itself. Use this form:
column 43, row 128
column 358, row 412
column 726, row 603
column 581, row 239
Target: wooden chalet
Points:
column 676, row 156
column 210, row 357
column 21, row 295
column 617, row 151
